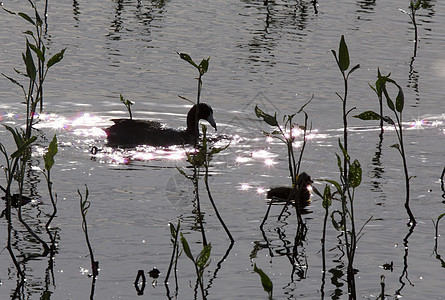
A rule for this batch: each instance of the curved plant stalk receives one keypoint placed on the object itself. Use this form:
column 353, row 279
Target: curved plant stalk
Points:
column 327, row 202
column 84, row 206
column 207, row 159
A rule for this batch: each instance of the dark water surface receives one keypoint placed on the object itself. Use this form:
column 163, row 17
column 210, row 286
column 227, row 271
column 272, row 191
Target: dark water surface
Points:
column 276, row 56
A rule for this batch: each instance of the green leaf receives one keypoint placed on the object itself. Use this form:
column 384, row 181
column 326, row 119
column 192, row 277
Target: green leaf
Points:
column 13, row 80
column 18, row 138
column 185, row 246
column 440, row 217
column 335, row 56
column 46, row 295
column 38, row 19
column 49, row 156
column 353, row 69
column 172, row 229
column 29, row 32
column 265, row 280
column 199, row 158
column 415, row 5
column 11, row 12
column 24, row 147
column 343, row 55
column 368, row 115
column 345, row 153
column 27, row 18
column 271, row 120
column 204, row 66
column 355, row 174
column 187, row 58
column 400, row 100
column 339, row 164
column 388, row 120
column 38, row 52
column 327, row 197
column 389, row 102
column 204, row 256
column 335, row 183
column 55, row 58
column 29, row 62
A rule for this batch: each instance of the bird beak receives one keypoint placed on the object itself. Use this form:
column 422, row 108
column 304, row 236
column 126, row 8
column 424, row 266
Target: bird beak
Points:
column 211, row 121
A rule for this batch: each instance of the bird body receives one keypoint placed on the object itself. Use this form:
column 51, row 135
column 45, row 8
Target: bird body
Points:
column 296, row 195
column 130, row 132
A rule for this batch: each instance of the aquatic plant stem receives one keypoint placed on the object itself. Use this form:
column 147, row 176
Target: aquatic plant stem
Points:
column 84, row 206
column 206, row 181
column 198, row 99
column 175, row 247
column 398, row 110
column 414, row 7
column 198, row 203
column 51, row 196
column 350, row 237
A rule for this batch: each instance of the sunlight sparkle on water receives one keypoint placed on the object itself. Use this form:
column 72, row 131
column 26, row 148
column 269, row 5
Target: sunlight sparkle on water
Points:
column 269, row 162
column 312, row 134
column 177, row 155
column 260, row 191
column 418, row 124
column 245, row 186
column 86, row 119
column 52, row 121
column 261, row 154
column 296, row 132
column 10, row 115
column 242, row 160
column 91, row 132
column 144, row 156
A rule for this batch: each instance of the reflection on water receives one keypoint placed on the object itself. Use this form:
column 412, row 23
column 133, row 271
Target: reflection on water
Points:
column 257, row 48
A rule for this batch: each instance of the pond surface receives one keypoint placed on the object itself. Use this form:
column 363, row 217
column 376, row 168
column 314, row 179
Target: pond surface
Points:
column 276, row 56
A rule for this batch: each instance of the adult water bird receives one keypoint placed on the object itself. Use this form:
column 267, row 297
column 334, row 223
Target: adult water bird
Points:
column 130, row 132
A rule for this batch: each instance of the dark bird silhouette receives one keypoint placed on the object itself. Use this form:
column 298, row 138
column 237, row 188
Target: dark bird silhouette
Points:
column 300, row 193
column 130, row 133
